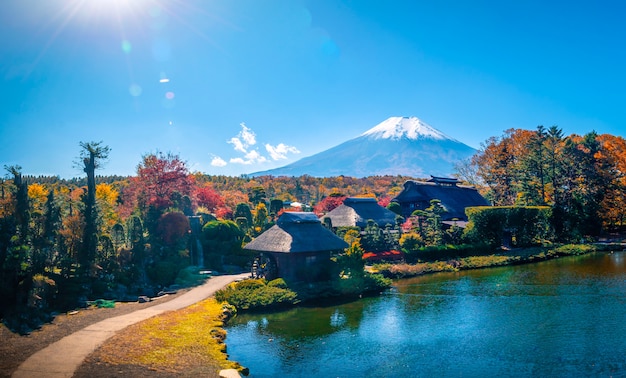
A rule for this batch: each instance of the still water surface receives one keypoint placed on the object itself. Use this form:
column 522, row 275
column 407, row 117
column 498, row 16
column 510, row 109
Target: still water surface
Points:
column 559, row 318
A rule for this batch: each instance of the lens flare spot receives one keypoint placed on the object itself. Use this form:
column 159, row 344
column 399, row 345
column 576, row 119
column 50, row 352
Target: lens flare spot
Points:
column 135, row 90
column 126, row 46
column 169, row 95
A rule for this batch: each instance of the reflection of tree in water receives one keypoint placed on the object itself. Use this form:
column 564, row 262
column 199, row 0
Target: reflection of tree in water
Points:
column 295, row 333
column 305, row 322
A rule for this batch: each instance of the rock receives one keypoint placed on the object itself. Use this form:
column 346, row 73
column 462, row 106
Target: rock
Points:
column 143, row 299
column 229, row 373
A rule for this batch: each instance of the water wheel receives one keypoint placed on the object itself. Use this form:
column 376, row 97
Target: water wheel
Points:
column 264, row 266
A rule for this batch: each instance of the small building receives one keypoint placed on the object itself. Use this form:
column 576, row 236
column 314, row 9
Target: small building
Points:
column 356, row 211
column 416, row 195
column 296, row 248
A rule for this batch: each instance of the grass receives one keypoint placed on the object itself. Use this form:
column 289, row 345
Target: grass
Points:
column 477, row 262
column 190, row 340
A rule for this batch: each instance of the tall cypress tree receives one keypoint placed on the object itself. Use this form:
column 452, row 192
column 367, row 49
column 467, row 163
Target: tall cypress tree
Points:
column 92, row 156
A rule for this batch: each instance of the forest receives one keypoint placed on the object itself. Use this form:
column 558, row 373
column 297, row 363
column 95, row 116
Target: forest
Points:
column 66, row 242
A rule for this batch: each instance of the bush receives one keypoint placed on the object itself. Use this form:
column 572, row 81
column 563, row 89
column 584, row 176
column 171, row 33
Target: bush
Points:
column 256, row 295
column 279, row 282
column 164, row 272
column 446, row 252
column 573, row 250
column 524, row 225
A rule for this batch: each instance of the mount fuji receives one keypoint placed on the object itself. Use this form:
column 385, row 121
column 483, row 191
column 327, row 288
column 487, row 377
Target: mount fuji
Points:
column 397, row 146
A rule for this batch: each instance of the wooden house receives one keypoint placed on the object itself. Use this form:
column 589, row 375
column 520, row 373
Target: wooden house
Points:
column 296, row 248
column 416, row 195
column 356, row 212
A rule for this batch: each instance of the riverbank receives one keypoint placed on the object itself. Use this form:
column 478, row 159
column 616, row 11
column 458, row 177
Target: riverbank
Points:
column 184, row 343
column 16, row 348
column 61, row 353
column 505, row 257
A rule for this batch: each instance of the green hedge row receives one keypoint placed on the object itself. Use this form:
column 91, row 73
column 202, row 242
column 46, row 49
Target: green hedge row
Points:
column 518, row 226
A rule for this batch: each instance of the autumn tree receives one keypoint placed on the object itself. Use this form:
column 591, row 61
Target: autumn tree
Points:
column 613, row 206
column 209, row 198
column 162, row 183
column 329, row 203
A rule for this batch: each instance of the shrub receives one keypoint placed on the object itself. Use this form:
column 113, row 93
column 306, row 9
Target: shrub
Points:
column 446, row 252
column 256, row 294
column 279, row 282
column 525, row 225
column 573, row 250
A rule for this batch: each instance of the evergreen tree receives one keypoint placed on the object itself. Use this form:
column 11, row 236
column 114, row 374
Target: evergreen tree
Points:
column 92, row 156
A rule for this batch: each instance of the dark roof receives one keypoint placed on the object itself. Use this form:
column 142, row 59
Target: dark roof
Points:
column 444, row 180
column 454, row 198
column 297, row 232
column 357, row 211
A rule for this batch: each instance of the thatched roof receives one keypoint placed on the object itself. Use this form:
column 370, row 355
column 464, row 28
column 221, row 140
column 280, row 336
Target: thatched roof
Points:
column 357, row 211
column 297, row 232
column 454, row 198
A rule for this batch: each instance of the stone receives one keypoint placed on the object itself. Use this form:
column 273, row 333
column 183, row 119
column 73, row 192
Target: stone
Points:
column 229, row 373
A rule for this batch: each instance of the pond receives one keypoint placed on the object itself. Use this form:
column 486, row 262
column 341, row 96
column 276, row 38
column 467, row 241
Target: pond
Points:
column 559, row 318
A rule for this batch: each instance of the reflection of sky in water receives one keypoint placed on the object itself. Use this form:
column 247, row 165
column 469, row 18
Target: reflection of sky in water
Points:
column 337, row 319
column 529, row 320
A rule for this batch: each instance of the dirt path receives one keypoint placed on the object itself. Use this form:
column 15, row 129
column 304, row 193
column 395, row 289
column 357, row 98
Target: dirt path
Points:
column 62, row 358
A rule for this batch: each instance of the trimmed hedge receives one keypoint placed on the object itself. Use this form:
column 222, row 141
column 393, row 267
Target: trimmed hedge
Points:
column 522, row 226
column 446, row 252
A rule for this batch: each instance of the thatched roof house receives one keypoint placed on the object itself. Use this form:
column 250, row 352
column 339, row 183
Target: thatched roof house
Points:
column 417, row 195
column 297, row 248
column 355, row 212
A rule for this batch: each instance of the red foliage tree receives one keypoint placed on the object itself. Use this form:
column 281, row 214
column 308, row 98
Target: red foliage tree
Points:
column 208, row 197
column 329, row 203
column 172, row 227
column 161, row 179
column 384, row 201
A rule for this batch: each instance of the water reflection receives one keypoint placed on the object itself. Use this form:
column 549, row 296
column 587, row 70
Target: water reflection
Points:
column 557, row 318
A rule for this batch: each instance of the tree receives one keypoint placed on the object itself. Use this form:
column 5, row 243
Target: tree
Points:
column 209, row 198
column 260, row 218
column 92, row 156
column 173, row 227
column 329, row 203
column 395, row 207
column 243, row 215
column 221, row 241
column 159, row 177
column 257, row 195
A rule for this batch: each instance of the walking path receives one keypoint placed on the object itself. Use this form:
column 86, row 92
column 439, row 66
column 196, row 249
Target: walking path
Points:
column 62, row 358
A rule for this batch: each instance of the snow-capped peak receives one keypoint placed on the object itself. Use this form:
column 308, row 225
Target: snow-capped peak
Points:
column 409, row 127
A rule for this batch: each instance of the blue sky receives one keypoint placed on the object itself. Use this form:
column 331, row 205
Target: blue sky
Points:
column 238, row 86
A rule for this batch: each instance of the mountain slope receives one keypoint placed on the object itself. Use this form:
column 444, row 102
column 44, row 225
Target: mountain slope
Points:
column 396, row 146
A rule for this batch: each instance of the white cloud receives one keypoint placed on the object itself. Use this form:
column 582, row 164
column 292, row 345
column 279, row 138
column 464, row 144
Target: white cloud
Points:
column 245, row 139
column 238, row 144
column 280, row 151
column 247, row 135
column 256, row 157
column 251, row 157
column 240, row 161
column 218, row 162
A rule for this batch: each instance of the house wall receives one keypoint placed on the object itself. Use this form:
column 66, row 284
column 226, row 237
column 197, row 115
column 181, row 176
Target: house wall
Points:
column 304, row 267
